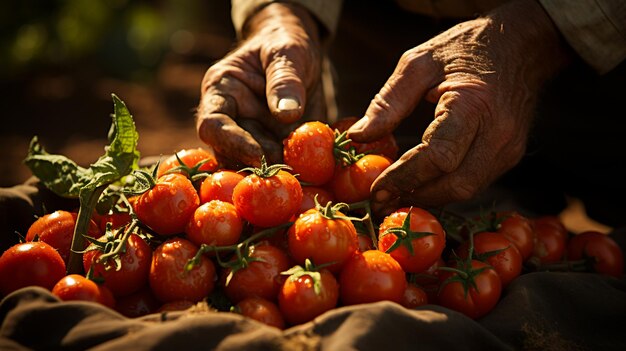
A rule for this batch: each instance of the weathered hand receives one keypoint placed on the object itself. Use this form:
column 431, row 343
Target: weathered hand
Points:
column 484, row 75
column 254, row 96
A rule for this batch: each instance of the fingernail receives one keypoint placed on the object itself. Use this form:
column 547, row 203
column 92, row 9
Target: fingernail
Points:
column 382, row 196
column 288, row 104
column 360, row 124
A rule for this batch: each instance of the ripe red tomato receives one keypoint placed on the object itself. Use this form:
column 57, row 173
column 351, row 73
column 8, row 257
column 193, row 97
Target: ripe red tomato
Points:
column 117, row 220
column 352, row 183
column 518, row 229
column 608, row 257
column 427, row 249
column 215, row 223
column 414, row 296
column 261, row 310
column 550, row 240
column 219, row 186
column 371, row 276
column 133, row 273
column 385, row 146
column 300, row 300
column 168, row 206
column 76, row 287
column 190, row 157
column 30, row 263
column 309, row 150
column 429, row 281
column 322, row 240
column 308, row 197
column 472, row 300
column 267, row 202
column 137, row 304
column 170, row 281
column 57, row 229
column 260, row 278
column 507, row 263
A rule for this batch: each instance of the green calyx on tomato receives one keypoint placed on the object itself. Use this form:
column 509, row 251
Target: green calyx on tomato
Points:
column 345, row 153
column 265, row 170
column 404, row 235
column 194, row 173
column 310, row 270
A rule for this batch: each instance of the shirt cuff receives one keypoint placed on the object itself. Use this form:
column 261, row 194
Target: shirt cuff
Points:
column 326, row 11
column 595, row 29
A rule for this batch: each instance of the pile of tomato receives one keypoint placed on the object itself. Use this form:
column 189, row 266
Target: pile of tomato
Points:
column 285, row 243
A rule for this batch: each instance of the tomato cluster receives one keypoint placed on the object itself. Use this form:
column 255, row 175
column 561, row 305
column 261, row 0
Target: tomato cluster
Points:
column 284, row 243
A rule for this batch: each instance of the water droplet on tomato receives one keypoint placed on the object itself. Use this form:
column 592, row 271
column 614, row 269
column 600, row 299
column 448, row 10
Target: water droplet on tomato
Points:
column 182, row 204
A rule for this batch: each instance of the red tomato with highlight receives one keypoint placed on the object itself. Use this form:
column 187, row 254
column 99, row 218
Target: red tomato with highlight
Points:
column 518, row 229
column 261, row 310
column 260, row 278
column 371, row 276
column 427, row 249
column 507, row 263
column 75, row 287
column 550, row 240
column 309, row 150
column 308, row 197
column 133, row 273
column 168, row 206
column 299, row 302
column 385, row 146
column 607, row 256
column 190, row 157
column 170, row 281
column 30, row 263
column 477, row 300
column 117, row 220
column 352, row 183
column 414, row 296
column 322, row 240
column 268, row 202
column 57, row 229
column 215, row 223
column 219, row 186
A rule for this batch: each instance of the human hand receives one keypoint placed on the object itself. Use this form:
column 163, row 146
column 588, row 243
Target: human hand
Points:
column 257, row 94
column 484, row 75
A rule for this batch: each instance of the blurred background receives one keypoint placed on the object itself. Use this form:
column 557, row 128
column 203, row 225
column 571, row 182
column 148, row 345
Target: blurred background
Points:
column 60, row 60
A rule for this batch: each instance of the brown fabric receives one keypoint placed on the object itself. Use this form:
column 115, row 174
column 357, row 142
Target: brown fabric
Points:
column 539, row 311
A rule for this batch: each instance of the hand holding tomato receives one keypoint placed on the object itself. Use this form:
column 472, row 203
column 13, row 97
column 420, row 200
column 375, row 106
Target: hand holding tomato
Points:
column 252, row 97
column 484, row 75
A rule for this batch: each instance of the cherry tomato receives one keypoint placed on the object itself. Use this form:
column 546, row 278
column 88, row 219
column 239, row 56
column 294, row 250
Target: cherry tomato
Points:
column 518, row 229
column 168, row 206
column 425, row 235
column 550, row 240
column 309, row 150
column 308, row 197
column 322, row 240
column 608, row 257
column 135, row 266
column 57, row 229
column 137, row 304
column 429, row 281
column 414, row 296
column 507, row 263
column 30, row 263
column 371, row 276
column 215, row 223
column 190, row 157
column 261, row 310
column 260, row 278
column 473, row 300
column 117, row 220
column 352, row 183
column 219, row 186
column 76, row 287
column 267, row 202
column 300, row 302
column 171, row 282
column 385, row 146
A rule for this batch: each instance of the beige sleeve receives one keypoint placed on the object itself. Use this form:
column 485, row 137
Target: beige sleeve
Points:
column 595, row 29
column 326, row 11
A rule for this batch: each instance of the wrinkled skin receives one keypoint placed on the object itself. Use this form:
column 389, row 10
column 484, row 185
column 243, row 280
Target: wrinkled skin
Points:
column 484, row 75
column 240, row 112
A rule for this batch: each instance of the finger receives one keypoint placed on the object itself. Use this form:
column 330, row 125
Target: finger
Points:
column 315, row 111
column 215, row 127
column 444, row 147
column 413, row 76
column 271, row 148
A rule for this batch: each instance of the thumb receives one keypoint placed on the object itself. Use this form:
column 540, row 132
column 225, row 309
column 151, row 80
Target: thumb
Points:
column 285, row 90
column 414, row 75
